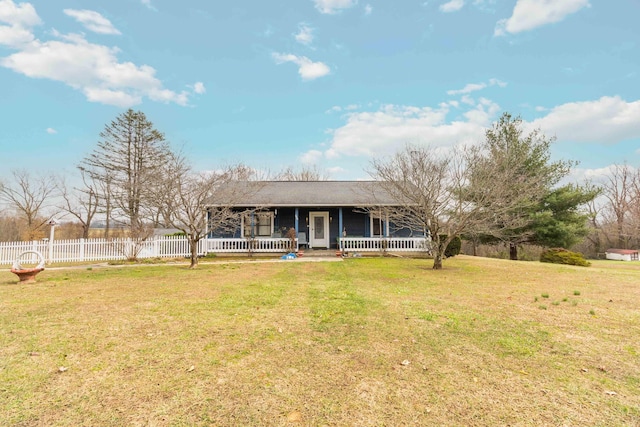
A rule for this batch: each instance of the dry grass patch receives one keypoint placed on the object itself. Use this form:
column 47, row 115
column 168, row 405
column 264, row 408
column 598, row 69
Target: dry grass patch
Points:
column 362, row 342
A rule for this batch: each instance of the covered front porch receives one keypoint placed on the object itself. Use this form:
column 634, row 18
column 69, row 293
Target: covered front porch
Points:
column 345, row 229
column 315, row 227
column 345, row 245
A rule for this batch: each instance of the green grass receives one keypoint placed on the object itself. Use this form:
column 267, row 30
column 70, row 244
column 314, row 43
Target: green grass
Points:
column 260, row 343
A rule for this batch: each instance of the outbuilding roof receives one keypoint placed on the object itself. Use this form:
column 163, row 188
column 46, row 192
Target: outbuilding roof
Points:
column 304, row 194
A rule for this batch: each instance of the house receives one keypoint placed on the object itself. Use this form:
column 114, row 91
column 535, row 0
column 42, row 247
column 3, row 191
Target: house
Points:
column 324, row 214
column 622, row 254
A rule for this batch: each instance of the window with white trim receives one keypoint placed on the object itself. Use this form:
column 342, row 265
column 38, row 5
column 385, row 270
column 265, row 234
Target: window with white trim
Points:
column 257, row 224
column 378, row 224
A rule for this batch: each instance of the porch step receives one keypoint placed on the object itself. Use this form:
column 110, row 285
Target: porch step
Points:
column 319, row 253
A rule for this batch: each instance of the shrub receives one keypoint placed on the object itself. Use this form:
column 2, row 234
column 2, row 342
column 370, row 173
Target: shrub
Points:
column 563, row 256
column 453, row 248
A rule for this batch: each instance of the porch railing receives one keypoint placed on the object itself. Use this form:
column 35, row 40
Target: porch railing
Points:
column 382, row 244
column 248, row 245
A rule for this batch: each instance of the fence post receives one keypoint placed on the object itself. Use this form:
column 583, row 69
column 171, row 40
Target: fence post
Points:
column 81, row 254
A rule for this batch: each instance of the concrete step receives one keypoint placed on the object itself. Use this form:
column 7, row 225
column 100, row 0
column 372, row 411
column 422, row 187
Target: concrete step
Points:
column 319, row 253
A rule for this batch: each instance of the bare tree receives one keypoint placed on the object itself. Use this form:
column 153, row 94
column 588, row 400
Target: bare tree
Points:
column 128, row 162
column 11, row 227
column 594, row 217
column 80, row 202
column 618, row 191
column 422, row 183
column 29, row 196
column 634, row 209
column 188, row 195
column 302, row 174
column 448, row 195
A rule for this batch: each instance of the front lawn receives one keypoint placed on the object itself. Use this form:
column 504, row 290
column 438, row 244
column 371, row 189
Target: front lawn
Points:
column 364, row 342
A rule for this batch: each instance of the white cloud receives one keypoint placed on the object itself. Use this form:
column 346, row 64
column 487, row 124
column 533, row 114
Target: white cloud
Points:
column 51, row 131
column 199, row 88
column 307, row 69
column 148, row 4
column 338, row 108
column 496, row 82
column 452, row 6
column 392, row 126
column 20, row 19
column 90, row 68
column 333, row 6
column 304, row 34
column 607, row 120
column 23, row 14
column 311, row 157
column 118, row 98
column 15, row 36
column 368, row 9
column 336, row 170
column 472, row 87
column 530, row 14
column 92, row 21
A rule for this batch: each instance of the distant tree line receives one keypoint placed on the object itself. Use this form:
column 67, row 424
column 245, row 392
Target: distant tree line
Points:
column 505, row 191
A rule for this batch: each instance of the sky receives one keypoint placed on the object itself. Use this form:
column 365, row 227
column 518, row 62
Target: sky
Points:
column 330, row 84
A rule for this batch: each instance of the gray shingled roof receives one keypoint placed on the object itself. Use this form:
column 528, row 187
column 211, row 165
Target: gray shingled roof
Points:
column 306, row 193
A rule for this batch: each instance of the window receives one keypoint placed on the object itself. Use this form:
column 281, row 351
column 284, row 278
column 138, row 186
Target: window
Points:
column 378, row 224
column 258, row 224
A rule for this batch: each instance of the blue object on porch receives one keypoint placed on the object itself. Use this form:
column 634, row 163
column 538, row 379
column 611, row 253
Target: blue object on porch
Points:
column 290, row 255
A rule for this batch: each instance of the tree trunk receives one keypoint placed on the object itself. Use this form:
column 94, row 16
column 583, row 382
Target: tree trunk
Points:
column 193, row 245
column 437, row 260
column 622, row 244
column 513, row 251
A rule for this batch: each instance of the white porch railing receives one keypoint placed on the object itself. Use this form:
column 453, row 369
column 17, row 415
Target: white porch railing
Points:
column 389, row 244
column 247, row 245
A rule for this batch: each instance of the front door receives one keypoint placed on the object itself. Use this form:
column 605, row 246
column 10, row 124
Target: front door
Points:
column 319, row 229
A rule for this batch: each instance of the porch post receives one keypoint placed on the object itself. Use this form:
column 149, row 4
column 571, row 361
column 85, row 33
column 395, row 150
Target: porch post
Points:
column 296, row 216
column 340, row 228
column 386, row 224
column 367, row 225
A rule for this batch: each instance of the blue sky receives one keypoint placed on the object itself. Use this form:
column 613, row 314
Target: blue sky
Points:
column 329, row 83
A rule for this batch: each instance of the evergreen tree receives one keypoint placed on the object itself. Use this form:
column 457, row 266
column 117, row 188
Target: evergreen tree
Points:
column 548, row 216
column 129, row 162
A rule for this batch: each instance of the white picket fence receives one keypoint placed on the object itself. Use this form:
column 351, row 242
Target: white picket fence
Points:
column 80, row 250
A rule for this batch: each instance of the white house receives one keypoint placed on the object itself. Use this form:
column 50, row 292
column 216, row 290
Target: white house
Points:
column 622, row 254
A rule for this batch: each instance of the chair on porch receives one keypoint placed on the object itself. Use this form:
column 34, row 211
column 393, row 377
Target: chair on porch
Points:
column 302, row 239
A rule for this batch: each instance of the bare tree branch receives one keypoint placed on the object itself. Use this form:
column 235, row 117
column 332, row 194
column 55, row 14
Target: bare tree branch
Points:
column 30, row 196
